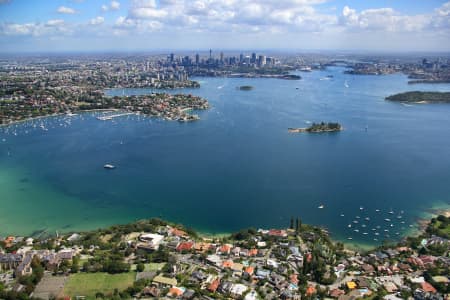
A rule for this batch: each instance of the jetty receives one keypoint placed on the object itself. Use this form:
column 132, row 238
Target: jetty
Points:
column 110, row 117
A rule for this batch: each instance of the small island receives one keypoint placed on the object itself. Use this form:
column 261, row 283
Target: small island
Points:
column 245, row 87
column 421, row 97
column 319, row 127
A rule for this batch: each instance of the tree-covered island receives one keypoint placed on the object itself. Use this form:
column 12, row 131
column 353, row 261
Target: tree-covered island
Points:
column 421, row 97
column 319, row 127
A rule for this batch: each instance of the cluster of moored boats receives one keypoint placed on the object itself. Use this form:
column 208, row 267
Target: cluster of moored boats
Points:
column 390, row 224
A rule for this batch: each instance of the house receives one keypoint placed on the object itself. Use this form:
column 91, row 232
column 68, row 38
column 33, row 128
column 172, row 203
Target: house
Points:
column 227, row 264
column 252, row 295
column 165, row 281
column 176, row 292
column 214, row 260
column 225, row 249
column 152, row 291
column 237, row 290
column 390, row 287
column 24, row 268
column 351, row 285
column 336, row 293
column 310, row 290
column 428, row 288
column 214, row 285
column 202, row 246
column 178, row 232
column 150, row 241
column 277, row 233
column 249, row 270
column 9, row 261
column 185, row 246
column 368, row 269
column 262, row 273
column 237, row 268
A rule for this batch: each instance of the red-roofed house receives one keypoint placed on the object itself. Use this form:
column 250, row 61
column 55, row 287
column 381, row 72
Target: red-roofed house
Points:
column 179, row 232
column 249, row 270
column 426, row 287
column 224, row 249
column 185, row 246
column 214, row 285
column 227, row 264
column 336, row 293
column 293, row 279
column 310, row 290
column 277, row 232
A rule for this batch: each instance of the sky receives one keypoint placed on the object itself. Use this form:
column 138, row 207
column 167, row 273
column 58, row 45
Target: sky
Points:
column 144, row 25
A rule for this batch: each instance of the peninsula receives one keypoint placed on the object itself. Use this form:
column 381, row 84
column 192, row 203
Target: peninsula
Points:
column 319, row 127
column 421, row 97
column 157, row 259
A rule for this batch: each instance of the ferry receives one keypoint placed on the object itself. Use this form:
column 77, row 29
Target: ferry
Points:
column 109, row 166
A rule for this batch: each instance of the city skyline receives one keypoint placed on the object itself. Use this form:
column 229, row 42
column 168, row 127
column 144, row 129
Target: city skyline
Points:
column 142, row 25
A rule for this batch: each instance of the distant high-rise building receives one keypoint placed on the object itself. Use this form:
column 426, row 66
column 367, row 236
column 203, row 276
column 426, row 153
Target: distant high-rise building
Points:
column 197, row 59
column 253, row 60
column 221, row 57
column 262, row 60
column 241, row 58
column 172, row 57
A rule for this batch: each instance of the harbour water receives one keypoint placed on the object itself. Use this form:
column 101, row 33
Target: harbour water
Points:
column 238, row 166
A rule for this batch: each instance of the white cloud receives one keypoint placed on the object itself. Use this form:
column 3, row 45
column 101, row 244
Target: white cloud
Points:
column 66, row 10
column 55, row 22
column 97, row 21
column 147, row 13
column 383, row 19
column 115, row 5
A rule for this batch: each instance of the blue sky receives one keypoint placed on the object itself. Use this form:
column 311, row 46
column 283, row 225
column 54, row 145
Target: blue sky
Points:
column 96, row 25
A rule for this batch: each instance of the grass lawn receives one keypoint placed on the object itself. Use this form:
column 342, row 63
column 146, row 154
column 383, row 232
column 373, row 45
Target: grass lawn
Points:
column 154, row 266
column 87, row 284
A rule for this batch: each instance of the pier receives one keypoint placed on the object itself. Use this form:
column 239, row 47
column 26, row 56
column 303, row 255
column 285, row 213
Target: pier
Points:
column 110, row 117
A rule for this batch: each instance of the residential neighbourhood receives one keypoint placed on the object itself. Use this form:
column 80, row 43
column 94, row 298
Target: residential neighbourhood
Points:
column 154, row 259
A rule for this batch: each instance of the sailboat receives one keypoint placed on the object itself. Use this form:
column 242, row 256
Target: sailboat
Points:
column 346, row 84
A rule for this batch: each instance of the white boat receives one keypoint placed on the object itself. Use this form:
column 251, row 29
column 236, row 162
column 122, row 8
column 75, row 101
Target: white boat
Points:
column 109, row 166
column 321, row 206
column 387, row 220
column 346, row 84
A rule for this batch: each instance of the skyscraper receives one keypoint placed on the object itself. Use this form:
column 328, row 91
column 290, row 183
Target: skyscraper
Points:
column 197, row 59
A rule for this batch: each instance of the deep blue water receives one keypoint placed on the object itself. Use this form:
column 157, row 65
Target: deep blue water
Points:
column 238, row 166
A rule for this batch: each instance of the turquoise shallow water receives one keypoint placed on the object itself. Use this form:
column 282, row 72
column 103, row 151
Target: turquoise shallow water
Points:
column 238, row 166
